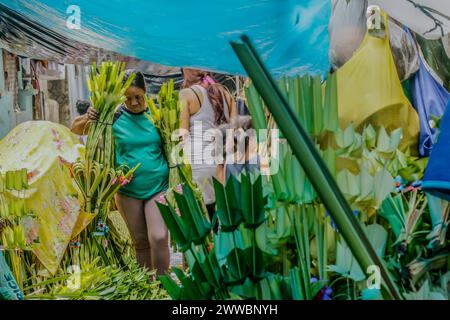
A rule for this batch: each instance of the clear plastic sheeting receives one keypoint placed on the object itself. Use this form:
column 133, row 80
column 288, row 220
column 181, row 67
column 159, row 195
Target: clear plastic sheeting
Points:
column 291, row 35
column 446, row 43
column 404, row 51
column 347, row 27
column 429, row 18
column 29, row 38
column 436, row 57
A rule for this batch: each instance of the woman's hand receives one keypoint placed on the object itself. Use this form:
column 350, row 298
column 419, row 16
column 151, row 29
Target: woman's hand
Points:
column 81, row 124
column 92, row 114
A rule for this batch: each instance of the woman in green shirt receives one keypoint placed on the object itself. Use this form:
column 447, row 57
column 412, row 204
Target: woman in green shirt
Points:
column 138, row 141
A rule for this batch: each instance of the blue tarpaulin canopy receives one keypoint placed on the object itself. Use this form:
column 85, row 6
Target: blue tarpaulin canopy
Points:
column 291, row 35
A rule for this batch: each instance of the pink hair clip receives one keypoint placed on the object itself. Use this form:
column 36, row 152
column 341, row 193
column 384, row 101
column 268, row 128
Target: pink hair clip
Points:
column 208, row 80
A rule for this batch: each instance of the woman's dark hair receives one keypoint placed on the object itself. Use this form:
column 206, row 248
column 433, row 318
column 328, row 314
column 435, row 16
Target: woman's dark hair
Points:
column 138, row 81
column 82, row 106
column 216, row 92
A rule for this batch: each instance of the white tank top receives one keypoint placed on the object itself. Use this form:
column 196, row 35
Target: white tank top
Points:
column 203, row 131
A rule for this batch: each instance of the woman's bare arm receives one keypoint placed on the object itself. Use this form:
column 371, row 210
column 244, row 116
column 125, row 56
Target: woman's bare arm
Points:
column 82, row 123
column 185, row 115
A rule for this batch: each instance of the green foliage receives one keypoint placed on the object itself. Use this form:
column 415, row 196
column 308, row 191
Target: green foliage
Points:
column 94, row 281
column 243, row 263
column 13, row 214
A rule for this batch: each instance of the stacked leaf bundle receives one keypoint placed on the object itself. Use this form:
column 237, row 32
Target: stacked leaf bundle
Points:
column 256, row 257
column 382, row 184
column 297, row 252
column 209, row 278
column 93, row 280
column 243, row 263
column 96, row 175
column 371, row 165
column 12, row 213
column 317, row 112
column 90, row 271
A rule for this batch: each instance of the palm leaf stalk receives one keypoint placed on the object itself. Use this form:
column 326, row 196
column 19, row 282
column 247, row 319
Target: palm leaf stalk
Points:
column 320, row 230
column 314, row 166
column 96, row 176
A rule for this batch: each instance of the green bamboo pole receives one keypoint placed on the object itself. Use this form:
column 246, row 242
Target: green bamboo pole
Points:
column 313, row 164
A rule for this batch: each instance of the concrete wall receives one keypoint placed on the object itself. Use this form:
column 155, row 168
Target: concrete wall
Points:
column 55, row 100
column 76, row 79
column 16, row 101
column 58, row 91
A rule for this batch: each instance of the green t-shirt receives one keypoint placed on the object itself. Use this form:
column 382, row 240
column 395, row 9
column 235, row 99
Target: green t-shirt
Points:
column 138, row 141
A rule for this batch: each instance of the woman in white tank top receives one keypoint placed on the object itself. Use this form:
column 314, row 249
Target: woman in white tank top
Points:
column 207, row 105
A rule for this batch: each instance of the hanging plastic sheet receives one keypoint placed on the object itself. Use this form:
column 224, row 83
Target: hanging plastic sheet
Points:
column 429, row 18
column 405, row 53
column 44, row 149
column 369, row 91
column 29, row 38
column 436, row 57
column 430, row 100
column 347, row 28
column 291, row 35
column 437, row 176
column 446, row 44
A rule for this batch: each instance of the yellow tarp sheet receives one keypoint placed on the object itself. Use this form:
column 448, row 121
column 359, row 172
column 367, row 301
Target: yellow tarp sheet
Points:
column 43, row 148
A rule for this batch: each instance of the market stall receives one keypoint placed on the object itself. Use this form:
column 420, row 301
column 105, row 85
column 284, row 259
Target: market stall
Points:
column 348, row 198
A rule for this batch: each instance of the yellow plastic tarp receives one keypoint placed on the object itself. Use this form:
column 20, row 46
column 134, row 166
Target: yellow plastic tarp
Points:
column 44, row 149
column 369, row 91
